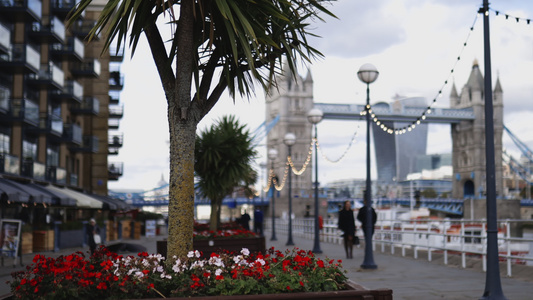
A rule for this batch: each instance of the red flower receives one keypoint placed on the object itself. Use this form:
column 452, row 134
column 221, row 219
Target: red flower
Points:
column 102, row 286
column 320, row 263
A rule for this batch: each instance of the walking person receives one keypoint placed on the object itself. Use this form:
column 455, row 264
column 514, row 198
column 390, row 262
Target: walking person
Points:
column 258, row 221
column 347, row 225
column 363, row 215
column 93, row 235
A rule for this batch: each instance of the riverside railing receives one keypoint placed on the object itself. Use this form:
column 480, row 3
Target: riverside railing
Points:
column 444, row 236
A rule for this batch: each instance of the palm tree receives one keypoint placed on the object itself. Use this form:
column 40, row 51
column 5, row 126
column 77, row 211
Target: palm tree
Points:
column 223, row 158
column 215, row 45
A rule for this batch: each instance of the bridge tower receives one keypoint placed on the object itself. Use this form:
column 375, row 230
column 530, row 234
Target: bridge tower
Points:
column 468, row 138
column 291, row 99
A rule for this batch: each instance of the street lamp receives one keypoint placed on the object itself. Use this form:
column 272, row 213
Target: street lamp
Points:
column 290, row 140
column 272, row 155
column 368, row 74
column 314, row 116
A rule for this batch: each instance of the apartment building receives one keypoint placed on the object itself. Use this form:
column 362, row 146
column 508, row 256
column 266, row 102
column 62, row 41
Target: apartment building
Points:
column 60, row 105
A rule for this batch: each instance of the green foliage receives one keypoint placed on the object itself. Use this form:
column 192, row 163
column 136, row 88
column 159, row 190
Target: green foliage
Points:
column 238, row 36
column 223, row 158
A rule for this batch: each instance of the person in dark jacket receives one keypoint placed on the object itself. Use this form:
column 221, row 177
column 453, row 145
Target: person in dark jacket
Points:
column 362, row 217
column 347, row 225
column 92, row 230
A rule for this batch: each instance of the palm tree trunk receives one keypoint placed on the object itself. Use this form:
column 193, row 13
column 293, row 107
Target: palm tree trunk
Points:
column 181, row 187
column 214, row 218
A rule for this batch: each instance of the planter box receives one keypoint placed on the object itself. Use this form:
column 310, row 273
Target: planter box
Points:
column 354, row 292
column 43, row 240
column 27, row 243
column 208, row 246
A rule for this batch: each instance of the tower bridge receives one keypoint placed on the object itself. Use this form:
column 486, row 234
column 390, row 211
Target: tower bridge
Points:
column 388, row 112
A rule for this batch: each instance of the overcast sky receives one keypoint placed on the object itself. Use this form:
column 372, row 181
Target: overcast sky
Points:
column 413, row 43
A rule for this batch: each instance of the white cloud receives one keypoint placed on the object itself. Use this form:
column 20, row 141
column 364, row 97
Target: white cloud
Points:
column 413, row 43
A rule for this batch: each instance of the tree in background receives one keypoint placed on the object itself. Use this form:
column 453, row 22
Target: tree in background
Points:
column 214, row 46
column 223, row 161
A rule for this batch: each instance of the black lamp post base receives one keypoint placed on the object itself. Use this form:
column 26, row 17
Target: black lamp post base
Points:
column 369, row 266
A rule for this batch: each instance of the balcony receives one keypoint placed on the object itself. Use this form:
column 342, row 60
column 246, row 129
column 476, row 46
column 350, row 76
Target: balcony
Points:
column 62, row 8
column 113, row 123
column 49, row 76
column 49, row 124
column 115, row 170
column 115, row 142
column 9, row 164
column 21, row 58
column 56, row 175
column 88, row 106
column 73, row 180
column 5, row 39
column 116, row 54
column 72, row 91
column 73, row 49
column 116, row 81
column 116, row 111
column 81, row 28
column 52, row 32
column 26, row 110
column 5, row 99
column 114, row 97
column 89, row 145
column 33, row 169
column 86, row 68
column 72, row 133
column 24, row 10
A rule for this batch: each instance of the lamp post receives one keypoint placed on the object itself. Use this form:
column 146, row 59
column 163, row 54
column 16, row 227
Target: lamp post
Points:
column 272, row 154
column 368, row 74
column 314, row 116
column 290, row 140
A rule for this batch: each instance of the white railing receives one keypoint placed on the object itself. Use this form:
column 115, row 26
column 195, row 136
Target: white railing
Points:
column 461, row 237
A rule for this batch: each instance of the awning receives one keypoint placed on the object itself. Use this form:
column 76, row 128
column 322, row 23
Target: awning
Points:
column 60, row 199
column 82, row 200
column 119, row 204
column 12, row 192
column 37, row 195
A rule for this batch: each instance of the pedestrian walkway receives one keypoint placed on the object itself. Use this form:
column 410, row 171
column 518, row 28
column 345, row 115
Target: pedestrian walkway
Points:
column 409, row 278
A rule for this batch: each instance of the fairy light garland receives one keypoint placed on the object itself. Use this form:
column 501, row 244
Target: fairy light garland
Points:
column 508, row 16
column 345, row 151
column 412, row 126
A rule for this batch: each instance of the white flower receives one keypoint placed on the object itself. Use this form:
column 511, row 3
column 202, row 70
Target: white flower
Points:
column 139, row 274
column 245, row 251
column 218, row 272
column 190, row 254
column 259, row 260
column 216, row 261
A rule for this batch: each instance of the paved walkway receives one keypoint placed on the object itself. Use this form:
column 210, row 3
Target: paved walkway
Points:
column 407, row 277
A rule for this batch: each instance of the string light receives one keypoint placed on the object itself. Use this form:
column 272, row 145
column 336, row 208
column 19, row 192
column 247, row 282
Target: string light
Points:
column 507, row 16
column 345, row 151
column 410, row 127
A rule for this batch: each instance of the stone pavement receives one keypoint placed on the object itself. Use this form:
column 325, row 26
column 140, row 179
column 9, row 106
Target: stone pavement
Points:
column 409, row 278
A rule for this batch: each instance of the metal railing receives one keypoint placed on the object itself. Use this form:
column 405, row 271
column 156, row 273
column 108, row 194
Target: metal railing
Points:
column 462, row 237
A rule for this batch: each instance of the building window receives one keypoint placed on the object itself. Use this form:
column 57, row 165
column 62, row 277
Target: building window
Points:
column 29, row 150
column 52, row 156
column 5, row 141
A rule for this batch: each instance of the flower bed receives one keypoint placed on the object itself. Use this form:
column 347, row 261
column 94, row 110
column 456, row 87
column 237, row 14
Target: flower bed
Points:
column 106, row 275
